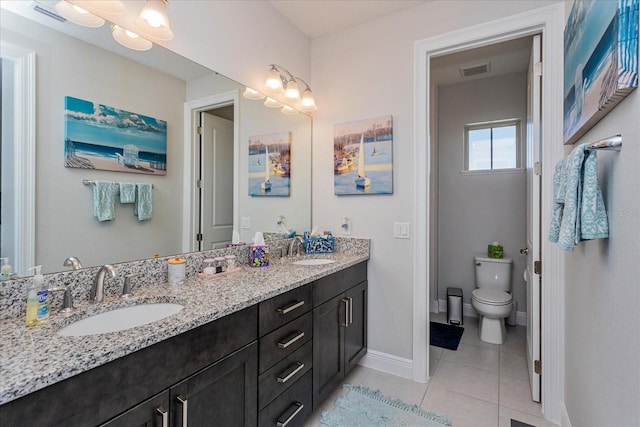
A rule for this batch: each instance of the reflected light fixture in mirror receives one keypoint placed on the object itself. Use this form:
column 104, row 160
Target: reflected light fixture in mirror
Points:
column 252, row 94
column 130, row 39
column 78, row 15
column 289, row 110
column 272, row 103
column 154, row 21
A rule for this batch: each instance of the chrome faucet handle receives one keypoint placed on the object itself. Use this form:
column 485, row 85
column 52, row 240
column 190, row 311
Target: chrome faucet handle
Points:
column 126, row 290
column 67, row 300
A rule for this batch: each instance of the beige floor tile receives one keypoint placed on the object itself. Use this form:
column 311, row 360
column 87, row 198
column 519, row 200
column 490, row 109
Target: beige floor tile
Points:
column 515, row 393
column 472, row 355
column 474, row 382
column 395, row 387
column 507, row 414
column 433, row 365
column 516, row 340
column 435, row 352
column 463, row 411
column 514, row 365
column 357, row 375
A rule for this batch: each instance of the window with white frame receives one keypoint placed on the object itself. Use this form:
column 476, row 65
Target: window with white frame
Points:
column 492, row 145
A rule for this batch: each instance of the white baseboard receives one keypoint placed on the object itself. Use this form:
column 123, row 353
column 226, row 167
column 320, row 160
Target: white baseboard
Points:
column 388, row 363
column 564, row 417
column 469, row 311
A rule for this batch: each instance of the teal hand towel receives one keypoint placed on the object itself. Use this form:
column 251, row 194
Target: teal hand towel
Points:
column 579, row 211
column 143, row 206
column 127, row 192
column 104, row 200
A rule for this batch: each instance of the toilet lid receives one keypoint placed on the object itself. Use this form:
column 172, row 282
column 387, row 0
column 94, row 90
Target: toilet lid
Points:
column 492, row 296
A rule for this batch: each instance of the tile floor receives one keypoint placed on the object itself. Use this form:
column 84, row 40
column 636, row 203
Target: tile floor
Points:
column 479, row 385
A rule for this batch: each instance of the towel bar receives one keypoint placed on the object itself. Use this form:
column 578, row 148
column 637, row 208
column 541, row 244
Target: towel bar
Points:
column 90, row 182
column 613, row 143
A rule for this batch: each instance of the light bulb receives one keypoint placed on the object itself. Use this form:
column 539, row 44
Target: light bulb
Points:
column 153, row 20
column 273, row 82
column 307, row 102
column 292, row 92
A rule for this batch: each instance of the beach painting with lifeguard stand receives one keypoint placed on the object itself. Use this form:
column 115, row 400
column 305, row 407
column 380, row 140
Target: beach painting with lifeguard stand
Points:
column 106, row 138
column 363, row 156
column 270, row 164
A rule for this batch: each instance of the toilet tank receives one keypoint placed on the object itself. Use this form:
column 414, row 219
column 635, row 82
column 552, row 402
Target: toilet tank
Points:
column 493, row 273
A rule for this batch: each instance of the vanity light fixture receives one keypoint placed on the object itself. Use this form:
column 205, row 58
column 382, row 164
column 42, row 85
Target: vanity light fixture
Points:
column 78, row 15
column 154, row 21
column 130, row 39
column 281, row 82
column 109, row 7
column 290, row 111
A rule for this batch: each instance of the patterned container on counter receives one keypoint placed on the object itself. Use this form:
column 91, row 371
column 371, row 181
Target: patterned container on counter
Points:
column 259, row 255
column 318, row 245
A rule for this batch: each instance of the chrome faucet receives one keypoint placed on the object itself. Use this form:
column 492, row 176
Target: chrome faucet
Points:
column 97, row 290
column 293, row 243
column 72, row 262
column 126, row 289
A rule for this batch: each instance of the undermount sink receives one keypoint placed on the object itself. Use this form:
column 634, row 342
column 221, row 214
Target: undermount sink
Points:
column 314, row 261
column 120, row 319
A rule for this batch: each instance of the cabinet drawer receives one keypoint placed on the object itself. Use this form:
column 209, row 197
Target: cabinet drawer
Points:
column 284, row 374
column 328, row 287
column 281, row 309
column 284, row 341
column 291, row 408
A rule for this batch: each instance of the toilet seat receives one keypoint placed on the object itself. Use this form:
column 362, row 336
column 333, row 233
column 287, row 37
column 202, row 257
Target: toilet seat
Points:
column 491, row 297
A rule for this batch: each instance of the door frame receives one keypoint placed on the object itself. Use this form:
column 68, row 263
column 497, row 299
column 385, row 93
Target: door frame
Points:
column 549, row 21
column 192, row 110
column 24, row 155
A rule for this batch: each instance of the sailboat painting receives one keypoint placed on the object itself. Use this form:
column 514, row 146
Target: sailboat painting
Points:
column 363, row 156
column 270, row 164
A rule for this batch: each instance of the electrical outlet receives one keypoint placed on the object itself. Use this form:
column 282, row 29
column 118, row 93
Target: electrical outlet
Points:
column 245, row 223
column 401, row 230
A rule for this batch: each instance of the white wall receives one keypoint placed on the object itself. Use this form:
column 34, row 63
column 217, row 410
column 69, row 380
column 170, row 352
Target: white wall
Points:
column 477, row 209
column 602, row 381
column 366, row 72
column 64, row 222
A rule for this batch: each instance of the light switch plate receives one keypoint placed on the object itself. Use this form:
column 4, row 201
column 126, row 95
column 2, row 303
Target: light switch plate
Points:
column 401, row 230
column 245, row 222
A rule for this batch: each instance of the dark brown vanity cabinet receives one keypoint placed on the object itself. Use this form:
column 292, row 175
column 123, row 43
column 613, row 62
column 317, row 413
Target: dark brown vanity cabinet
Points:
column 224, row 392
column 200, row 364
column 339, row 328
column 285, row 382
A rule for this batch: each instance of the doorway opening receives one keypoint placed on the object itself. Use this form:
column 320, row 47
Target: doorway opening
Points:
column 549, row 21
column 211, row 200
column 483, row 152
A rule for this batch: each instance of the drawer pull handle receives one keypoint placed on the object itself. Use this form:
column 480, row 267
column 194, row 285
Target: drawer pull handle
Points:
column 283, row 378
column 296, row 407
column 183, row 401
column 346, row 312
column 291, row 307
column 164, row 414
column 298, row 335
column 350, row 310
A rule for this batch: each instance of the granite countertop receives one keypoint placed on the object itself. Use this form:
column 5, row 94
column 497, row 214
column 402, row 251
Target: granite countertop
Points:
column 36, row 357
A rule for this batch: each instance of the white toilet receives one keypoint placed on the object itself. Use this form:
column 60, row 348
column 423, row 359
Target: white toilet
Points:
column 492, row 297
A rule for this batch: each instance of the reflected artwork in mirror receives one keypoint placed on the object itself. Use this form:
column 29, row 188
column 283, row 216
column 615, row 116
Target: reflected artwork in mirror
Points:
column 196, row 196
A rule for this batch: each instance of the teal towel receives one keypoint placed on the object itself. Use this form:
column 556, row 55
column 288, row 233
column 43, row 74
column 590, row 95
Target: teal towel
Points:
column 579, row 212
column 143, row 206
column 104, row 200
column 127, row 192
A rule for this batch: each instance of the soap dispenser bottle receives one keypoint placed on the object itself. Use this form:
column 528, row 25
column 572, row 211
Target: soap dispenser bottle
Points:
column 37, row 299
column 6, row 270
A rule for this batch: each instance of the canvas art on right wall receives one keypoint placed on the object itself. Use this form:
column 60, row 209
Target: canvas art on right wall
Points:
column 600, row 61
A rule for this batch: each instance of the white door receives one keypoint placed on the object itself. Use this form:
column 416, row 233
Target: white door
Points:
column 533, row 279
column 216, row 192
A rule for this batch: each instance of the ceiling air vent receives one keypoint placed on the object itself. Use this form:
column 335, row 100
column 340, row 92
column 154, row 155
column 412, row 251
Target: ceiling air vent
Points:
column 47, row 12
column 474, row 70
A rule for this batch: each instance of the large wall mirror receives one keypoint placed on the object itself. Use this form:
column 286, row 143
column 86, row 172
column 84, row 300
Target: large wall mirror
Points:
column 88, row 64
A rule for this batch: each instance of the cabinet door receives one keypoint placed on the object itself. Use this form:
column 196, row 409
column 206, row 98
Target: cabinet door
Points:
column 355, row 334
column 328, row 349
column 224, row 393
column 149, row 413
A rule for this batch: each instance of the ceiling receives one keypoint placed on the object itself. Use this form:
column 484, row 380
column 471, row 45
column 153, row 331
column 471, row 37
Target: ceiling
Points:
column 317, row 18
